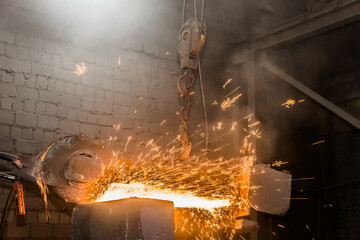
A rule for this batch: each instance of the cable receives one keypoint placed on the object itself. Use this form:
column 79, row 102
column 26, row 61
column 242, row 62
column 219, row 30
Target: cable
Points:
column 195, row 9
column 4, row 212
column 183, row 15
column 202, row 10
column 204, row 107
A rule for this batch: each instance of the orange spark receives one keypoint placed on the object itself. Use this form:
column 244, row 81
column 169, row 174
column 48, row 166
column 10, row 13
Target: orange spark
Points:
column 227, row 82
column 229, row 102
column 80, row 69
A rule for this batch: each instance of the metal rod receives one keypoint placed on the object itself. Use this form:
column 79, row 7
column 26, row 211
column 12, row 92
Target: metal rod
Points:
column 323, row 101
column 195, row 9
column 202, row 10
column 183, row 15
column 204, row 107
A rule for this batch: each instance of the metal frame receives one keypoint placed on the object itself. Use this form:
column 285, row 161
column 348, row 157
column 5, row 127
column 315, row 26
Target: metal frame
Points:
column 323, row 101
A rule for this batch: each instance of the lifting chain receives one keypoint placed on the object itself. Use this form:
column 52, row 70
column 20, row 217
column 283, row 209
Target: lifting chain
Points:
column 185, row 82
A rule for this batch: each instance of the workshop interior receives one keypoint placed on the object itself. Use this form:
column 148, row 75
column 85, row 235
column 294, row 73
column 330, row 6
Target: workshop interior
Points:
column 182, row 119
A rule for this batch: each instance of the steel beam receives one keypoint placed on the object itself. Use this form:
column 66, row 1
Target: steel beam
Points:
column 334, row 15
column 323, row 101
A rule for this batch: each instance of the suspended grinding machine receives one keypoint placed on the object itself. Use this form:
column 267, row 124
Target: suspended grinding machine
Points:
column 190, row 42
column 68, row 166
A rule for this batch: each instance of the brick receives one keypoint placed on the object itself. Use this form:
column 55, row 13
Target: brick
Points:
column 69, row 126
column 41, row 69
column 6, row 103
column 20, row 66
column 62, row 231
column 60, row 86
column 6, row 145
column 68, row 63
column 7, row 117
column 4, row 62
column 31, row 217
column 38, row 135
column 22, row 40
column 29, row 106
column 26, row 93
column 73, row 114
column 48, row 96
column 23, row 53
column 41, row 82
column 87, row 105
column 83, row 116
column 30, row 81
column 34, row 55
column 40, row 108
column 70, row 101
column 100, row 94
column 18, row 105
column 45, row 58
column 36, row 43
column 49, row 137
column 14, row 231
column 61, row 112
column 51, row 84
column 19, row 78
column 138, row 90
column 26, row 134
column 11, row 50
column 7, row 89
column 50, row 109
column 6, row 36
column 65, row 218
column 48, row 122
column 23, row 146
column 54, row 217
column 7, row 76
column 4, row 131
column 121, row 86
column 41, row 231
column 106, row 84
column 105, row 107
column 15, row 132
column 70, row 88
column 42, row 217
column 56, row 60
column 65, row 74
column 2, row 48
column 90, row 130
column 124, row 99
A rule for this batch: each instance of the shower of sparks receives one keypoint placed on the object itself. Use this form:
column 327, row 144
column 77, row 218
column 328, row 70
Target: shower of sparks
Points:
column 278, row 163
column 80, row 69
column 233, row 126
column 318, row 142
column 289, row 103
column 229, row 102
column 232, row 91
column 227, row 82
column 162, row 123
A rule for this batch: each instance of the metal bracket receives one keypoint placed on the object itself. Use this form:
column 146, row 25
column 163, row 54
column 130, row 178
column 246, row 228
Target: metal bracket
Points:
column 323, row 101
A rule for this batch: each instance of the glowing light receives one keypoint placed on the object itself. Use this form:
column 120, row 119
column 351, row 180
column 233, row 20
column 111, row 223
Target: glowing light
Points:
column 119, row 61
column 289, row 103
column 227, row 82
column 181, row 200
column 318, row 142
column 80, row 69
column 229, row 102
